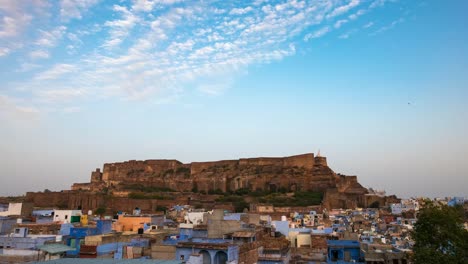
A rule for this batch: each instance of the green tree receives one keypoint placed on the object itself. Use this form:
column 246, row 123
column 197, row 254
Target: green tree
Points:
column 439, row 236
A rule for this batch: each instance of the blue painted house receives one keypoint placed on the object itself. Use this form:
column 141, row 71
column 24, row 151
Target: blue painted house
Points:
column 77, row 235
column 214, row 251
column 344, row 251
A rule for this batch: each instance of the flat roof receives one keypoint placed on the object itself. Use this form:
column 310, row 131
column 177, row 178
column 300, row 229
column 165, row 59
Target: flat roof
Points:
column 343, row 243
column 55, row 248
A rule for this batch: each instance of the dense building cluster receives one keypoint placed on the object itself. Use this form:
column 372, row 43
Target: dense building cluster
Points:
column 183, row 234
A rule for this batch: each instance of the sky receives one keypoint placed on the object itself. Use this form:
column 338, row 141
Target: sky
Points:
column 378, row 86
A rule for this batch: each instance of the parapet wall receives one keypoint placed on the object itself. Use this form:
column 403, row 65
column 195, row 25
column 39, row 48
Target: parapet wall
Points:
column 304, row 160
column 118, row 170
column 303, row 172
column 131, row 164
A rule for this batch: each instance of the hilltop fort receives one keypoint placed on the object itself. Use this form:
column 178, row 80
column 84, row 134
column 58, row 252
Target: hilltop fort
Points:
column 199, row 180
column 302, row 172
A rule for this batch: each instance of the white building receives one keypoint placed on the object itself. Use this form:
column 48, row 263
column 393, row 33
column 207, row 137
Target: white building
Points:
column 396, row 208
column 195, row 218
column 13, row 209
column 404, row 206
column 64, row 216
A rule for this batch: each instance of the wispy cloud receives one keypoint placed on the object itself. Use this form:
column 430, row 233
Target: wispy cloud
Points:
column 120, row 28
column 149, row 5
column 39, row 54
column 156, row 49
column 12, row 26
column 55, row 72
column 340, row 22
column 143, row 5
column 50, row 38
column 388, row 27
column 368, row 25
column 240, row 11
column 317, row 34
column 15, row 19
column 70, row 9
column 343, row 9
column 358, row 13
column 379, row 3
column 4, row 51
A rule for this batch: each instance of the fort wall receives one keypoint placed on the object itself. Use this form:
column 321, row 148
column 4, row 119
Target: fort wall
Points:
column 225, row 175
column 304, row 172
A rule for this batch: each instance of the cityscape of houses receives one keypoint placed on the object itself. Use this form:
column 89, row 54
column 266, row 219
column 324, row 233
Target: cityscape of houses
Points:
column 265, row 234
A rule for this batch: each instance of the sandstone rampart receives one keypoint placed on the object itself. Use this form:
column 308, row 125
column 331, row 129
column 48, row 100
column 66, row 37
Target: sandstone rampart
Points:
column 304, row 172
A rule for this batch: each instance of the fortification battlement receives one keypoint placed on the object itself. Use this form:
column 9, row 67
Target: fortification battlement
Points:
column 263, row 173
column 140, row 163
column 305, row 172
column 304, row 160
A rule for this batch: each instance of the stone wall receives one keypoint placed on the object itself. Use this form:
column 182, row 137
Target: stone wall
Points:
column 295, row 173
column 49, row 199
column 300, row 172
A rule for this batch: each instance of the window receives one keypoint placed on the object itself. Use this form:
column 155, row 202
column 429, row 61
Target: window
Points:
column 182, row 257
column 66, row 216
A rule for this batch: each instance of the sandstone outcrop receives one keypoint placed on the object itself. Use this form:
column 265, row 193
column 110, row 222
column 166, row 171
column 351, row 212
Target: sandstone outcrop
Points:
column 184, row 183
column 296, row 173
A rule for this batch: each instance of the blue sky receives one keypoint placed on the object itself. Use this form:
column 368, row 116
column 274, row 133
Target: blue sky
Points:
column 379, row 86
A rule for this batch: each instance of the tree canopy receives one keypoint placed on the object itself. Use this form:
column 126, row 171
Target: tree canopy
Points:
column 439, row 236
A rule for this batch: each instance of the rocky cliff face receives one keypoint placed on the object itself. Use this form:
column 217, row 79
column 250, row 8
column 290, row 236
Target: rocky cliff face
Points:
column 296, row 173
column 110, row 187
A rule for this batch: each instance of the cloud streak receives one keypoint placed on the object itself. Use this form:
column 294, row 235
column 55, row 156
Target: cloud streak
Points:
column 155, row 49
column 74, row 9
column 55, row 72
